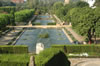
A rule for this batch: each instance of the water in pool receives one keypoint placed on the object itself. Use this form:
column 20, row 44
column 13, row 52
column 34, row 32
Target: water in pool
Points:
column 31, row 36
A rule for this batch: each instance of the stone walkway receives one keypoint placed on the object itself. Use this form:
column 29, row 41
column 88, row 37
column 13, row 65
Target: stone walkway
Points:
column 77, row 36
column 4, row 40
column 85, row 61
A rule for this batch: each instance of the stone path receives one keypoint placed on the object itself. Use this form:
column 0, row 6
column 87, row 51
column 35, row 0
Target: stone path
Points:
column 77, row 36
column 4, row 40
column 85, row 61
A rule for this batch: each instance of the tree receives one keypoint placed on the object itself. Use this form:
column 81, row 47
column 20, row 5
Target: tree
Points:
column 56, row 6
column 97, row 23
column 82, row 4
column 84, row 21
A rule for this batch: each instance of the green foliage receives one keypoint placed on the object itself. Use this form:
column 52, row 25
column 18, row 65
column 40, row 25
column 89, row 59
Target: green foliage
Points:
column 79, row 48
column 36, row 23
column 23, row 15
column 84, row 20
column 52, row 23
column 61, row 10
column 7, row 9
column 6, row 3
column 5, row 49
column 51, row 57
column 45, row 35
column 4, row 20
column 14, row 59
column 82, row 4
column 97, row 20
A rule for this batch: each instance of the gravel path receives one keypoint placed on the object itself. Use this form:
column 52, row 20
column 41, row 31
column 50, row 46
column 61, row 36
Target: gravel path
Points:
column 85, row 61
column 77, row 36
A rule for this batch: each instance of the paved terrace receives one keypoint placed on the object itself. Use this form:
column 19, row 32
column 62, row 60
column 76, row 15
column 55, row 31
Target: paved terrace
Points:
column 85, row 61
column 39, row 26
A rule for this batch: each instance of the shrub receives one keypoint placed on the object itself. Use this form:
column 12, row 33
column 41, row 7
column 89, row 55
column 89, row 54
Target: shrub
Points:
column 36, row 23
column 4, row 20
column 53, row 23
column 7, row 9
column 23, row 15
column 79, row 48
column 45, row 35
column 14, row 59
column 4, row 49
column 51, row 57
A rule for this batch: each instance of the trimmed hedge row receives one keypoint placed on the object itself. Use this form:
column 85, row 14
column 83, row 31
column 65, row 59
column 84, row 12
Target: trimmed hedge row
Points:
column 78, row 48
column 14, row 60
column 51, row 57
column 53, row 23
column 23, row 15
column 36, row 23
column 12, row 49
column 7, row 9
column 4, row 20
column 13, row 64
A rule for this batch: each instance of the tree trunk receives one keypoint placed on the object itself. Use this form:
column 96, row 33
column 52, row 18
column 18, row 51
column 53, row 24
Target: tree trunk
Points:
column 95, row 42
column 89, row 36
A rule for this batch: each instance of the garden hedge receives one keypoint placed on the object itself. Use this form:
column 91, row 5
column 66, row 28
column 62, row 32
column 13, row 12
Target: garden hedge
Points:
column 53, row 23
column 23, row 15
column 7, row 9
column 78, row 48
column 13, row 49
column 51, row 57
column 4, row 20
column 36, row 23
column 14, row 59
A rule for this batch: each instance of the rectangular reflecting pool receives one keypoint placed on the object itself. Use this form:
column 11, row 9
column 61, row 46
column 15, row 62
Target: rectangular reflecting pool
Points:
column 31, row 37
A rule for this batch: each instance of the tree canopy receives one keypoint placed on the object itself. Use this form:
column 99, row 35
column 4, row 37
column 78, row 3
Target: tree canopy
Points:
column 81, row 4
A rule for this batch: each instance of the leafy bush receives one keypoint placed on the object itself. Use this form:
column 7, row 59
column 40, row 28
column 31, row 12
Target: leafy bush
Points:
column 53, row 23
column 4, row 49
column 51, row 57
column 14, row 59
column 4, row 20
column 36, row 23
column 45, row 35
column 23, row 15
column 78, row 48
column 7, row 9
